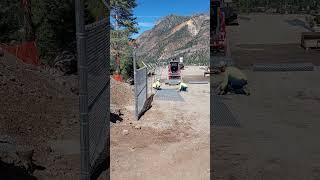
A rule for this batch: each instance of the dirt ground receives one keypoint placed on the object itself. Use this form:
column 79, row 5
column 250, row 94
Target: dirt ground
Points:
column 171, row 140
column 269, row 38
column 38, row 111
column 279, row 122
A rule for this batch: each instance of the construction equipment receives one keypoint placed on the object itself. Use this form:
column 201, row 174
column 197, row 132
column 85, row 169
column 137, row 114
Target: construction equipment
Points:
column 174, row 72
column 218, row 35
column 181, row 63
column 231, row 16
column 223, row 15
column 314, row 22
column 316, row 27
column 311, row 39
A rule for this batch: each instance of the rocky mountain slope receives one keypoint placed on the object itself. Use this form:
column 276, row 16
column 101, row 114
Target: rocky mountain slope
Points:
column 176, row 36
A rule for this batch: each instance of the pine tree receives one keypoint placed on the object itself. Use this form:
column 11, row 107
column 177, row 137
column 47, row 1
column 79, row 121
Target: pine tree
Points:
column 54, row 25
column 122, row 13
column 123, row 26
column 10, row 21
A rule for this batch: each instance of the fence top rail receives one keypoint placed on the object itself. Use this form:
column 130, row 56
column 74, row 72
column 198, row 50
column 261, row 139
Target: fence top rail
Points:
column 144, row 64
column 101, row 22
column 142, row 68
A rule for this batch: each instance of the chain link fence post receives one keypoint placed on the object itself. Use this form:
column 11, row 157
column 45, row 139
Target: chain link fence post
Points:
column 147, row 85
column 94, row 84
column 135, row 84
column 83, row 90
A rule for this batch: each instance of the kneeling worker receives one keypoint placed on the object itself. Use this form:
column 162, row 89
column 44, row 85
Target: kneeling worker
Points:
column 183, row 86
column 234, row 80
column 156, row 85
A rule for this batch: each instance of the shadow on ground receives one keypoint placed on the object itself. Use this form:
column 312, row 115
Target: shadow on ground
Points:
column 115, row 117
column 244, row 18
column 147, row 105
column 101, row 168
column 11, row 172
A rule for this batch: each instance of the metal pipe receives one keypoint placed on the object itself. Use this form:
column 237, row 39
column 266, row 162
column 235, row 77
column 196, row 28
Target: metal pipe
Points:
column 83, row 90
column 135, row 83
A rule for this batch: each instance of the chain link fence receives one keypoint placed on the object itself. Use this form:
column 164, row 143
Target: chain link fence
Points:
column 140, row 88
column 93, row 63
column 152, row 73
column 98, row 90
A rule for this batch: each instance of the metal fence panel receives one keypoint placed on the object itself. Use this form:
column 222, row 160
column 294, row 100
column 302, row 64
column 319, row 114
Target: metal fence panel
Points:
column 98, row 128
column 97, row 58
column 141, row 79
column 141, row 99
column 93, row 58
column 222, row 115
column 141, row 91
column 98, row 88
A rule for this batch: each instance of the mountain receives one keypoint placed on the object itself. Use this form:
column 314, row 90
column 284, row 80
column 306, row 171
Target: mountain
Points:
column 176, row 36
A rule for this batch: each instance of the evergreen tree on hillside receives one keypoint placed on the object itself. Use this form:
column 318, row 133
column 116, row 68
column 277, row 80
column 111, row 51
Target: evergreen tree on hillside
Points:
column 10, row 21
column 50, row 22
column 122, row 14
column 123, row 25
column 54, row 24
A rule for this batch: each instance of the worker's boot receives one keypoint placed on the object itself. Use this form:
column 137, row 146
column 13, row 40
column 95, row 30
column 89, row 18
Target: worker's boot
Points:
column 246, row 91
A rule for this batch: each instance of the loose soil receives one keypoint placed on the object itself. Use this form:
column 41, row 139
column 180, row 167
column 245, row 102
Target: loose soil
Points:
column 38, row 107
column 171, row 140
column 280, row 120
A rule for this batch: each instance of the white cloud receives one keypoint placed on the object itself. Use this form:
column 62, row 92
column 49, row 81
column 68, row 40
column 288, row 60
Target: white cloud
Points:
column 148, row 16
column 146, row 24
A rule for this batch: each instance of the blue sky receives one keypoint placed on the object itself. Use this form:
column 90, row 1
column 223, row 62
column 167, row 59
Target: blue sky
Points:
column 149, row 11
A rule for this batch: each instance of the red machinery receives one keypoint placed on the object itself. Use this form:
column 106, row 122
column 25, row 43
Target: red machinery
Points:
column 174, row 70
column 218, row 43
column 223, row 14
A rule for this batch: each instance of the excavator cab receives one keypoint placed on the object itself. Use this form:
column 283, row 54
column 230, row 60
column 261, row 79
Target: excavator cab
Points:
column 174, row 75
column 231, row 15
column 174, row 69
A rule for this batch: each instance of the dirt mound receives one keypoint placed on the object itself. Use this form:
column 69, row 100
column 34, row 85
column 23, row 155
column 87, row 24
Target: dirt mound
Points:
column 38, row 107
column 136, row 136
column 121, row 93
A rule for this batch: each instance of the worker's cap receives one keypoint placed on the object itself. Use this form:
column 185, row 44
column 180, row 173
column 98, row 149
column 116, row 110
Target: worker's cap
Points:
column 222, row 63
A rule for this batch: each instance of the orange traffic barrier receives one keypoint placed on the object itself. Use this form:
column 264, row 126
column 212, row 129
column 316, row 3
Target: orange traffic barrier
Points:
column 27, row 52
column 118, row 77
